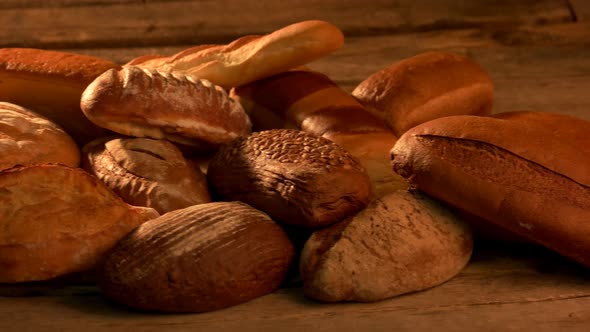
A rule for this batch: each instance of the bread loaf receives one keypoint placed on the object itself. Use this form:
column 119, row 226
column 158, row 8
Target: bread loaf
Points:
column 146, row 172
column 312, row 102
column 507, row 172
column 295, row 177
column 181, row 108
column 250, row 58
column 425, row 87
column 57, row 220
column 50, row 83
column 28, row 138
column 402, row 242
column 201, row 258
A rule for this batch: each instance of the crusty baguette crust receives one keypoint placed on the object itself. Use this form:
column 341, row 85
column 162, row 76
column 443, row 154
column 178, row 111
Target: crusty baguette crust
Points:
column 250, row 58
column 51, row 83
column 147, row 103
column 424, row 87
column 506, row 172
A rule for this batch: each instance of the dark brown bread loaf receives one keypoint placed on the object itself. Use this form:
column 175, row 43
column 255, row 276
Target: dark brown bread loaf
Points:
column 146, row 172
column 201, row 258
column 295, row 177
column 402, row 242
column 507, row 172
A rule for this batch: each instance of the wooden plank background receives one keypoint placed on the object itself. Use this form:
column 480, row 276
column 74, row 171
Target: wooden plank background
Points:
column 537, row 52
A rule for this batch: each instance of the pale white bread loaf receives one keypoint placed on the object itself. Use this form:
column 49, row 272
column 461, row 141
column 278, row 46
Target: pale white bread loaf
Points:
column 250, row 58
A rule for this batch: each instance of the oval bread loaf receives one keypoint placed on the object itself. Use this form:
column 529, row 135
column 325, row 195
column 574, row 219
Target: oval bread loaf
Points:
column 146, row 172
column 201, row 258
column 57, row 220
column 425, row 87
column 402, row 242
column 295, row 177
column 181, row 108
column 28, row 138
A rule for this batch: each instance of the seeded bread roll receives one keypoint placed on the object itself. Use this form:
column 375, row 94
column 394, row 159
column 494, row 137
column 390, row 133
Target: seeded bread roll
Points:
column 425, row 87
column 28, row 138
column 58, row 220
column 50, row 83
column 402, row 242
column 146, row 103
column 201, row 258
column 146, row 172
column 510, row 173
column 295, row 177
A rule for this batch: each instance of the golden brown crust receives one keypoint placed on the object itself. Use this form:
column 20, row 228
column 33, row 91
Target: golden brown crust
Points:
column 146, row 172
column 28, row 138
column 201, row 258
column 51, row 83
column 424, row 87
column 293, row 176
column 402, row 242
column 181, row 108
column 506, row 172
column 251, row 58
column 58, row 220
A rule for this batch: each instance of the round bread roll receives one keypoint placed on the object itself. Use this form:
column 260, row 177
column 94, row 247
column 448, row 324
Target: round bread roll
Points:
column 201, row 258
column 57, row 220
column 146, row 172
column 402, row 242
column 295, row 177
column 28, row 138
column 424, row 87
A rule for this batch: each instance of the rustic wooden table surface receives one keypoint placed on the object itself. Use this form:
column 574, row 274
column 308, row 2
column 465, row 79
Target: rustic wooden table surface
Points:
column 537, row 52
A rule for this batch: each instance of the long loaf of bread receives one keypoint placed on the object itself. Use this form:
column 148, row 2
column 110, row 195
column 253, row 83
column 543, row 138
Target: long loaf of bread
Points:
column 312, row 102
column 252, row 57
column 51, row 83
column 509, row 172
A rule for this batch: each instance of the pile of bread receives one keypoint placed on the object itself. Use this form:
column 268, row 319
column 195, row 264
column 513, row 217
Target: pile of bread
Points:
column 205, row 179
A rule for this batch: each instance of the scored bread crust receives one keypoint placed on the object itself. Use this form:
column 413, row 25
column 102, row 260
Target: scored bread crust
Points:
column 146, row 172
column 506, row 172
column 28, row 138
column 148, row 103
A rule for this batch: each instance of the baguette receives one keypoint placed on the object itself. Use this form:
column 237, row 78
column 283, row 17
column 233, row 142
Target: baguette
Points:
column 312, row 102
column 510, row 173
column 50, row 83
column 250, row 58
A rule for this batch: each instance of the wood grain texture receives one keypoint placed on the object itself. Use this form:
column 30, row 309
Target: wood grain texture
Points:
column 132, row 23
